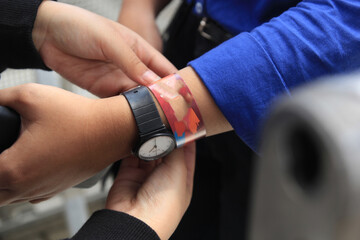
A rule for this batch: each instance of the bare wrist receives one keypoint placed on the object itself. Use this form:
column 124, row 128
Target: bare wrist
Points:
column 214, row 120
column 119, row 126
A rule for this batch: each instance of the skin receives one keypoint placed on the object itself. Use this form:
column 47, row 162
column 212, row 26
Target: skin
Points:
column 66, row 138
column 78, row 137
column 142, row 19
column 158, row 192
column 106, row 58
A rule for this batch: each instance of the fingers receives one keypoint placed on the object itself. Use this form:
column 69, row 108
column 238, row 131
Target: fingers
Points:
column 180, row 165
column 40, row 200
column 147, row 166
column 8, row 176
column 130, row 162
column 22, row 97
column 134, row 162
column 8, row 197
column 130, row 171
column 34, row 200
column 5, row 197
column 125, row 58
column 137, row 58
column 183, row 156
column 159, row 64
column 13, row 171
column 9, row 97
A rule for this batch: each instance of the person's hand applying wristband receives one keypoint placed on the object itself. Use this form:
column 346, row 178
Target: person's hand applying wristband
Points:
column 157, row 193
column 94, row 52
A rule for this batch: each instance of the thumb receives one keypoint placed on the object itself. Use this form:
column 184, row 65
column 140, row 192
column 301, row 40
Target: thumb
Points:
column 180, row 164
column 13, row 97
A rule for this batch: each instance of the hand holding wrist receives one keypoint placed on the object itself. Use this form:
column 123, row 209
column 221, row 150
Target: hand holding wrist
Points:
column 157, row 193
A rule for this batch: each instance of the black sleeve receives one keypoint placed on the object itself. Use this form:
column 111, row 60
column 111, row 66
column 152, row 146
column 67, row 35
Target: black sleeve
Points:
column 112, row 225
column 17, row 49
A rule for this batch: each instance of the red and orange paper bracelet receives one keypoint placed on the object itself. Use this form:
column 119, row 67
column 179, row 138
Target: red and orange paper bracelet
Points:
column 180, row 109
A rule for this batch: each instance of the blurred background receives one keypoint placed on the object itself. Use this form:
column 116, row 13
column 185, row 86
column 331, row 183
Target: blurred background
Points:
column 61, row 216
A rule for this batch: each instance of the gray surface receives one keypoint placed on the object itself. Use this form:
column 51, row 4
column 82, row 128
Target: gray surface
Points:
column 307, row 183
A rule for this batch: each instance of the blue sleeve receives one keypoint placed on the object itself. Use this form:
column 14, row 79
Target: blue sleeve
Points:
column 246, row 73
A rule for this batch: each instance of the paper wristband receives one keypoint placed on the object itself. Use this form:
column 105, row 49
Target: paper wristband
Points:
column 180, row 109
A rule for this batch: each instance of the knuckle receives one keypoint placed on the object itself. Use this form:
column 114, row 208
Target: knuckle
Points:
column 135, row 46
column 26, row 93
column 10, row 177
column 137, row 65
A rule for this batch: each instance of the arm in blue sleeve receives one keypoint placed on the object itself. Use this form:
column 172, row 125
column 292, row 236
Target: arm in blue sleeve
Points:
column 246, row 73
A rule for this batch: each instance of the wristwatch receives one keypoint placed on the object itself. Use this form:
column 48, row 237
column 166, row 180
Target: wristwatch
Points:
column 155, row 140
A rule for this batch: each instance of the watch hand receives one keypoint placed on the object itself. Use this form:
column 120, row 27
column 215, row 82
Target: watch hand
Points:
column 152, row 148
column 155, row 146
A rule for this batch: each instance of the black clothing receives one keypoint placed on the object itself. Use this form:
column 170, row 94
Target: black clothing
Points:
column 220, row 204
column 17, row 50
column 111, row 225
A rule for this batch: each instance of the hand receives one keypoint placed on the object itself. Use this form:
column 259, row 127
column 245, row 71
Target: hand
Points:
column 94, row 52
column 65, row 139
column 140, row 17
column 158, row 192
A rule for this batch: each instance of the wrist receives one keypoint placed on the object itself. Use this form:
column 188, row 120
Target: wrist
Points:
column 160, row 110
column 214, row 120
column 180, row 109
column 41, row 23
column 118, row 127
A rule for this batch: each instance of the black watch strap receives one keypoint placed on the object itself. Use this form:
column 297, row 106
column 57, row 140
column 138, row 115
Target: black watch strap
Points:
column 144, row 109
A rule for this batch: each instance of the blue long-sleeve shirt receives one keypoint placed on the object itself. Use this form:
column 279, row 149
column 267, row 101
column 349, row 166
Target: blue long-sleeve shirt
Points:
column 246, row 73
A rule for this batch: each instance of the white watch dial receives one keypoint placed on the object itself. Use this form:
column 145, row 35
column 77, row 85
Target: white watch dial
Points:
column 156, row 147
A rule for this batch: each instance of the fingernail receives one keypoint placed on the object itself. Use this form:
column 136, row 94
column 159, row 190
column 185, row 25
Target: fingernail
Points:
column 149, row 77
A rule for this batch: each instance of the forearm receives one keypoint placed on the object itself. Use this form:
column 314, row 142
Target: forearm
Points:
column 245, row 74
column 118, row 132
column 140, row 17
column 121, row 125
column 213, row 118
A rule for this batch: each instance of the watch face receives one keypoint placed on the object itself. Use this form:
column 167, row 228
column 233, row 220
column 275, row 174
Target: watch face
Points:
column 156, row 147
